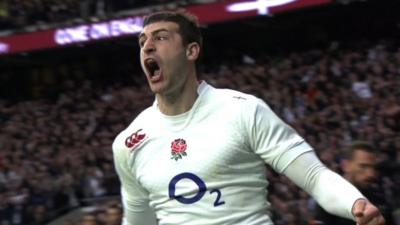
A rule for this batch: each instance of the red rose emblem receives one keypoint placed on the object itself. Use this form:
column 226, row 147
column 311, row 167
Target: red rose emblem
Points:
column 134, row 139
column 178, row 149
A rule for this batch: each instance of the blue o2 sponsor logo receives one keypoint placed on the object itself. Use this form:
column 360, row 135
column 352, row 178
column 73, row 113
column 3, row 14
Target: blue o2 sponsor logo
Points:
column 198, row 196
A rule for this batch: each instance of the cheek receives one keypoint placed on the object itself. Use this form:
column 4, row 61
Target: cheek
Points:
column 142, row 66
column 358, row 170
column 360, row 173
column 140, row 58
column 179, row 62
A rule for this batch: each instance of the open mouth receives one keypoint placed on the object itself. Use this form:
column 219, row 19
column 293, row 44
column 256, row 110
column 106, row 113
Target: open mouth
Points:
column 152, row 67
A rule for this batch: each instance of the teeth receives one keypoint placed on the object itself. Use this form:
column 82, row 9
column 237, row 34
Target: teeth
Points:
column 150, row 61
column 157, row 73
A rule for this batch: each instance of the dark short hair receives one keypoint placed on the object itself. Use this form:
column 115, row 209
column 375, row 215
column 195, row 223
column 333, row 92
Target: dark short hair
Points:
column 188, row 24
column 360, row 145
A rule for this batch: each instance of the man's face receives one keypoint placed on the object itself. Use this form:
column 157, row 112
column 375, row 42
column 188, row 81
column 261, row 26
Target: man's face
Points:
column 361, row 169
column 163, row 57
column 88, row 220
column 113, row 216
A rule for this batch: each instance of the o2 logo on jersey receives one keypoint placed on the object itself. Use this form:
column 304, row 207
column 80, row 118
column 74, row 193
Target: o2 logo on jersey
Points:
column 202, row 190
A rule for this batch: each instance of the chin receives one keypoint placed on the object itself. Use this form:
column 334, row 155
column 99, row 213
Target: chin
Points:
column 365, row 185
column 157, row 89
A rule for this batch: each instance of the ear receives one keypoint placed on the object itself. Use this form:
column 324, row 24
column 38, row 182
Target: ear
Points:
column 193, row 51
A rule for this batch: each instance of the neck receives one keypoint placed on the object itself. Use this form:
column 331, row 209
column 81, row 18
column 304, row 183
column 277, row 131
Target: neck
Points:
column 180, row 101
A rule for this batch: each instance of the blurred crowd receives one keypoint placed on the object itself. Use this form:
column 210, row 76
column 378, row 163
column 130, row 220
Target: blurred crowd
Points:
column 56, row 152
column 53, row 154
column 108, row 213
column 16, row 14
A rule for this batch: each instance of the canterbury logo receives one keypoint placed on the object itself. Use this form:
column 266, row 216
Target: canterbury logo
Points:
column 134, row 139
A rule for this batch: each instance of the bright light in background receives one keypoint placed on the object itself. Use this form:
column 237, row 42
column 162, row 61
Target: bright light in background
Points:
column 260, row 5
column 4, row 48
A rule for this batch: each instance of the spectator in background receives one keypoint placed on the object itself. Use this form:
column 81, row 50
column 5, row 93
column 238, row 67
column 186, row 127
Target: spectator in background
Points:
column 113, row 216
column 360, row 168
column 88, row 219
column 361, row 87
column 39, row 215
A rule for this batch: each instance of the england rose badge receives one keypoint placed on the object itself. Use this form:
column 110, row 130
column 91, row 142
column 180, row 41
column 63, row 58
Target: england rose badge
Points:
column 178, row 149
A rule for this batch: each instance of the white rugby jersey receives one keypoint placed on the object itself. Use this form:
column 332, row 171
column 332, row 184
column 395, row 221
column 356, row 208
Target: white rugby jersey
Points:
column 206, row 166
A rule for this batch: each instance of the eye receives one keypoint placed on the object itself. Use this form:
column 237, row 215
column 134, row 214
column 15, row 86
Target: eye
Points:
column 141, row 43
column 161, row 37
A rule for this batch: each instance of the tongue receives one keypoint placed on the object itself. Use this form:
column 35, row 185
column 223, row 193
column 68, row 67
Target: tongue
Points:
column 156, row 75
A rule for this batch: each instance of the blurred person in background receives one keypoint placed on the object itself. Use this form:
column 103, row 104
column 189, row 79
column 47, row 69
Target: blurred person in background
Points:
column 113, row 216
column 360, row 167
column 89, row 219
column 219, row 141
column 39, row 215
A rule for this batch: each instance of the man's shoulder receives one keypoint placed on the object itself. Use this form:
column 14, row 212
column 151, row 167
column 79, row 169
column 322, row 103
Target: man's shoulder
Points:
column 234, row 97
column 232, row 103
column 133, row 135
column 145, row 116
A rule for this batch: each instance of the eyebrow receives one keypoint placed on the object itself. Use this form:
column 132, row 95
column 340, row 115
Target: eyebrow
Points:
column 154, row 32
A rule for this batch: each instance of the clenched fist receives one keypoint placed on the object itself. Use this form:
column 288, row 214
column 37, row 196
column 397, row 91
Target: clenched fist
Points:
column 366, row 213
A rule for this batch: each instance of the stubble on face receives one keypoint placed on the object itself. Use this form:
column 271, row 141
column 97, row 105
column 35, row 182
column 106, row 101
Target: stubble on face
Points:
column 363, row 169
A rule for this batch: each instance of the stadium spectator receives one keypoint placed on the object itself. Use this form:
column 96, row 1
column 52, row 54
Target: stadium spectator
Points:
column 89, row 219
column 113, row 216
column 360, row 166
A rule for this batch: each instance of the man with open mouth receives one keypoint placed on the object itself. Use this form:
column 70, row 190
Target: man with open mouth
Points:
column 197, row 156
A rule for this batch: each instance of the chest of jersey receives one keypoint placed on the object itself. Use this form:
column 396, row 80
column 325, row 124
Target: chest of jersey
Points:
column 207, row 157
column 206, row 150
column 202, row 169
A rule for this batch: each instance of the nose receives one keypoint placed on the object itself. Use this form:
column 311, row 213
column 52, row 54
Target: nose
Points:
column 148, row 46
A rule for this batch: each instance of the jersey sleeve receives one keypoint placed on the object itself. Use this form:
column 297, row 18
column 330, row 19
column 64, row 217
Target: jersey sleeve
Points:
column 272, row 139
column 308, row 172
column 135, row 198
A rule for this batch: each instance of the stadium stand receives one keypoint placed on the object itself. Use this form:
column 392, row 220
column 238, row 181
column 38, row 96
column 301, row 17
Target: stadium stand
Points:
column 17, row 14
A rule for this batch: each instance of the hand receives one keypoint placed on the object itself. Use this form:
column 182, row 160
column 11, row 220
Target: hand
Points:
column 366, row 213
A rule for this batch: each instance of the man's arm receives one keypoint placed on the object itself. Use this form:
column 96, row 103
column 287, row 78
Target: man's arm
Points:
column 286, row 152
column 331, row 191
column 136, row 212
column 134, row 197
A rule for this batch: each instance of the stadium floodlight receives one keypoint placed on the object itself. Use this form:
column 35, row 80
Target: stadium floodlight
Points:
column 260, row 5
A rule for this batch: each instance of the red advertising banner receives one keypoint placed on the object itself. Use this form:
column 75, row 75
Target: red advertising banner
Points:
column 234, row 9
column 207, row 14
